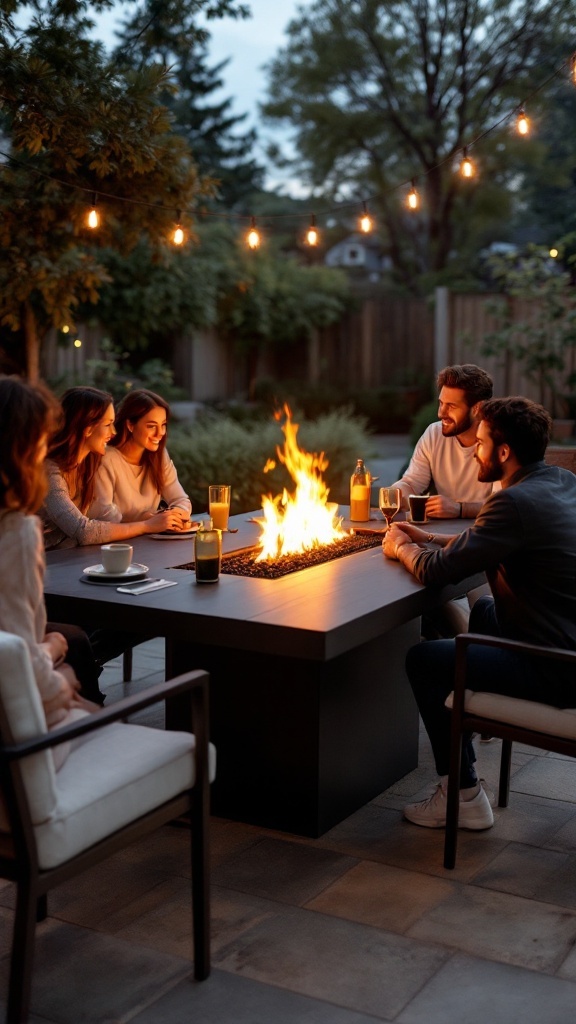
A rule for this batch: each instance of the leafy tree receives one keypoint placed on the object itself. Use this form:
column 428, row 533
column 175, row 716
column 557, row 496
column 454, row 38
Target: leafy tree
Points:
column 77, row 124
column 270, row 301
column 380, row 92
column 543, row 339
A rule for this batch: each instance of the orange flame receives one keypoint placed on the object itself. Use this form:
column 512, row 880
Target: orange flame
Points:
column 305, row 519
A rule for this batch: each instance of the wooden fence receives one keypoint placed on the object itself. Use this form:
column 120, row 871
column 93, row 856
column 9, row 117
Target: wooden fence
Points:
column 390, row 340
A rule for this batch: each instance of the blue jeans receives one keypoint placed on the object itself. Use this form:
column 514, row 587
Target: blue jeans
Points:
column 430, row 667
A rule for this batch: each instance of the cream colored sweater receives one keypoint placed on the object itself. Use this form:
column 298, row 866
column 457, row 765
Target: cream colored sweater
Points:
column 125, row 494
column 22, row 609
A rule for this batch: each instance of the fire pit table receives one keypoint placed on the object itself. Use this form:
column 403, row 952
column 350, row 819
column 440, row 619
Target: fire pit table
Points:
column 311, row 711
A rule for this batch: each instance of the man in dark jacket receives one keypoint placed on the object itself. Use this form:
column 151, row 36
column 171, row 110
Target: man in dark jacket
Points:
column 524, row 539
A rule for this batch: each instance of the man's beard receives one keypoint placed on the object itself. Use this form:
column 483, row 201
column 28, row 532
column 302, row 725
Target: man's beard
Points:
column 490, row 471
column 457, row 428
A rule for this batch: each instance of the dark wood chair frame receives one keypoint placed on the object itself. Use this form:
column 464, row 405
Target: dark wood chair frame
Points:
column 18, row 854
column 465, row 721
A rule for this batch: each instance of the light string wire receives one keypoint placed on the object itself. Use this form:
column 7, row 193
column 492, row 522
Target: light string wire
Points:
column 268, row 217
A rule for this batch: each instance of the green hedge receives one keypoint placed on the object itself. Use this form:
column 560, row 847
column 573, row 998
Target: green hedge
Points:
column 219, row 450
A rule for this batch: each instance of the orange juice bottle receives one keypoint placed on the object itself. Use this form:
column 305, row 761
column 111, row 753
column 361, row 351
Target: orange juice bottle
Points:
column 360, row 483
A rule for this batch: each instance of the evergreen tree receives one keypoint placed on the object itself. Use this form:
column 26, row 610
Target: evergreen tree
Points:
column 169, row 33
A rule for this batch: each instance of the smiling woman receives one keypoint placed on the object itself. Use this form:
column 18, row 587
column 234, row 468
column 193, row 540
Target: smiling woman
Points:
column 137, row 473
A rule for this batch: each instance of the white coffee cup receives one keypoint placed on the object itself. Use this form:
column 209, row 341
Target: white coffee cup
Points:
column 116, row 557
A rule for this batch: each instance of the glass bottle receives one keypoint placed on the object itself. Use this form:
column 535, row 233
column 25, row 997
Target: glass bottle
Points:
column 207, row 553
column 360, row 483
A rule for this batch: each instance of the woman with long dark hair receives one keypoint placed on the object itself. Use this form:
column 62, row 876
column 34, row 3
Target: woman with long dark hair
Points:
column 74, row 457
column 27, row 417
column 136, row 473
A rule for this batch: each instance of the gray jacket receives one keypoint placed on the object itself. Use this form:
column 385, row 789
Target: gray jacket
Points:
column 524, row 539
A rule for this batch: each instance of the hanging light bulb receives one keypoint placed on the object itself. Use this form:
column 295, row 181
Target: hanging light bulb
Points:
column 365, row 223
column 467, row 168
column 253, row 236
column 413, row 198
column 178, row 233
column 93, row 218
column 312, row 235
column 522, row 124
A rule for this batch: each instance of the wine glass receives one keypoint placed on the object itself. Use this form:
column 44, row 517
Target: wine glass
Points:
column 389, row 501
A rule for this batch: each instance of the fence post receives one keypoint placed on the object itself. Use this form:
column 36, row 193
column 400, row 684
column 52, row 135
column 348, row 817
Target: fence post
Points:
column 441, row 328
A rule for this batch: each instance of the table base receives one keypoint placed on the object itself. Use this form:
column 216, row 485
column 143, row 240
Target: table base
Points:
column 303, row 744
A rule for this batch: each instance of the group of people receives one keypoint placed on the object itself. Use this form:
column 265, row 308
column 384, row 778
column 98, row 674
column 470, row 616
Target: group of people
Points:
column 96, row 475
column 76, row 472
column 485, row 460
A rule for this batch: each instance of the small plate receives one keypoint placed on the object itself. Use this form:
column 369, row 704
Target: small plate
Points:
column 176, row 534
column 133, row 572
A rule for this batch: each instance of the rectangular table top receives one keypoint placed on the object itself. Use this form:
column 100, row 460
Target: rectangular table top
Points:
column 317, row 613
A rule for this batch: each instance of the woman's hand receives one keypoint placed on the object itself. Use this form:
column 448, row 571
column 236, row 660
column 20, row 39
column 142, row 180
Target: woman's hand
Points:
column 170, row 519
column 57, row 647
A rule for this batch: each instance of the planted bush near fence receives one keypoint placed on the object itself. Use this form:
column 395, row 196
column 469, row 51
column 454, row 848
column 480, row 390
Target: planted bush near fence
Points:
column 217, row 449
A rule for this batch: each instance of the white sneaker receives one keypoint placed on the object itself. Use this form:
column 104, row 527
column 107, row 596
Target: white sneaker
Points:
column 431, row 813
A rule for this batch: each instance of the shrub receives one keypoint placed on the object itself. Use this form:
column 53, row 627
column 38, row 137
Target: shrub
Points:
column 217, row 449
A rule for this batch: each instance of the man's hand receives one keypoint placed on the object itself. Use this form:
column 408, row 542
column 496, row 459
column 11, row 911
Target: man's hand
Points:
column 394, row 539
column 440, row 507
column 416, row 535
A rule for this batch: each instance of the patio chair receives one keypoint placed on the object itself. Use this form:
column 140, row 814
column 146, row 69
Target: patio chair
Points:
column 118, row 782
column 509, row 718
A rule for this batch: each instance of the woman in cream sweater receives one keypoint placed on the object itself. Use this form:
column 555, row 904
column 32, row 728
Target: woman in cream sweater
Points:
column 136, row 473
column 26, row 417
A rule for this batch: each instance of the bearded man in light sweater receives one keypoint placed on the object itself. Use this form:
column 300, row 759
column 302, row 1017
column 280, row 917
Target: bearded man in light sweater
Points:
column 444, row 458
column 444, row 455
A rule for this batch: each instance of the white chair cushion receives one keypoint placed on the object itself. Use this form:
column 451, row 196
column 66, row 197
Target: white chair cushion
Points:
column 528, row 714
column 23, row 706
column 110, row 779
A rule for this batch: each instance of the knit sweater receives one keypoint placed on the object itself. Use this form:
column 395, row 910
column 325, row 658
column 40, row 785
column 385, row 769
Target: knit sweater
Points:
column 447, row 464
column 22, row 609
column 64, row 524
column 125, row 493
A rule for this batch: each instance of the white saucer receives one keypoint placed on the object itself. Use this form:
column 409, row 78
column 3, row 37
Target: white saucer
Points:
column 133, row 572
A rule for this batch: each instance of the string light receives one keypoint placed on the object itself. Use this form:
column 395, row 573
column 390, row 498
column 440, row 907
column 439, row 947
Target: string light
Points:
column 413, row 198
column 253, row 236
column 553, row 253
column 93, row 218
column 467, row 167
column 77, row 343
column 365, row 223
column 522, row 124
column 312, row 235
column 178, row 234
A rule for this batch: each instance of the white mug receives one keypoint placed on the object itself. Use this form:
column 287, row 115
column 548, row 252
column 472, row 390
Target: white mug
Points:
column 116, row 557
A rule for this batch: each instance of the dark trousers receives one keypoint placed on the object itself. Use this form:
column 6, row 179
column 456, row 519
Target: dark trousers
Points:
column 430, row 667
column 81, row 657
column 110, row 643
